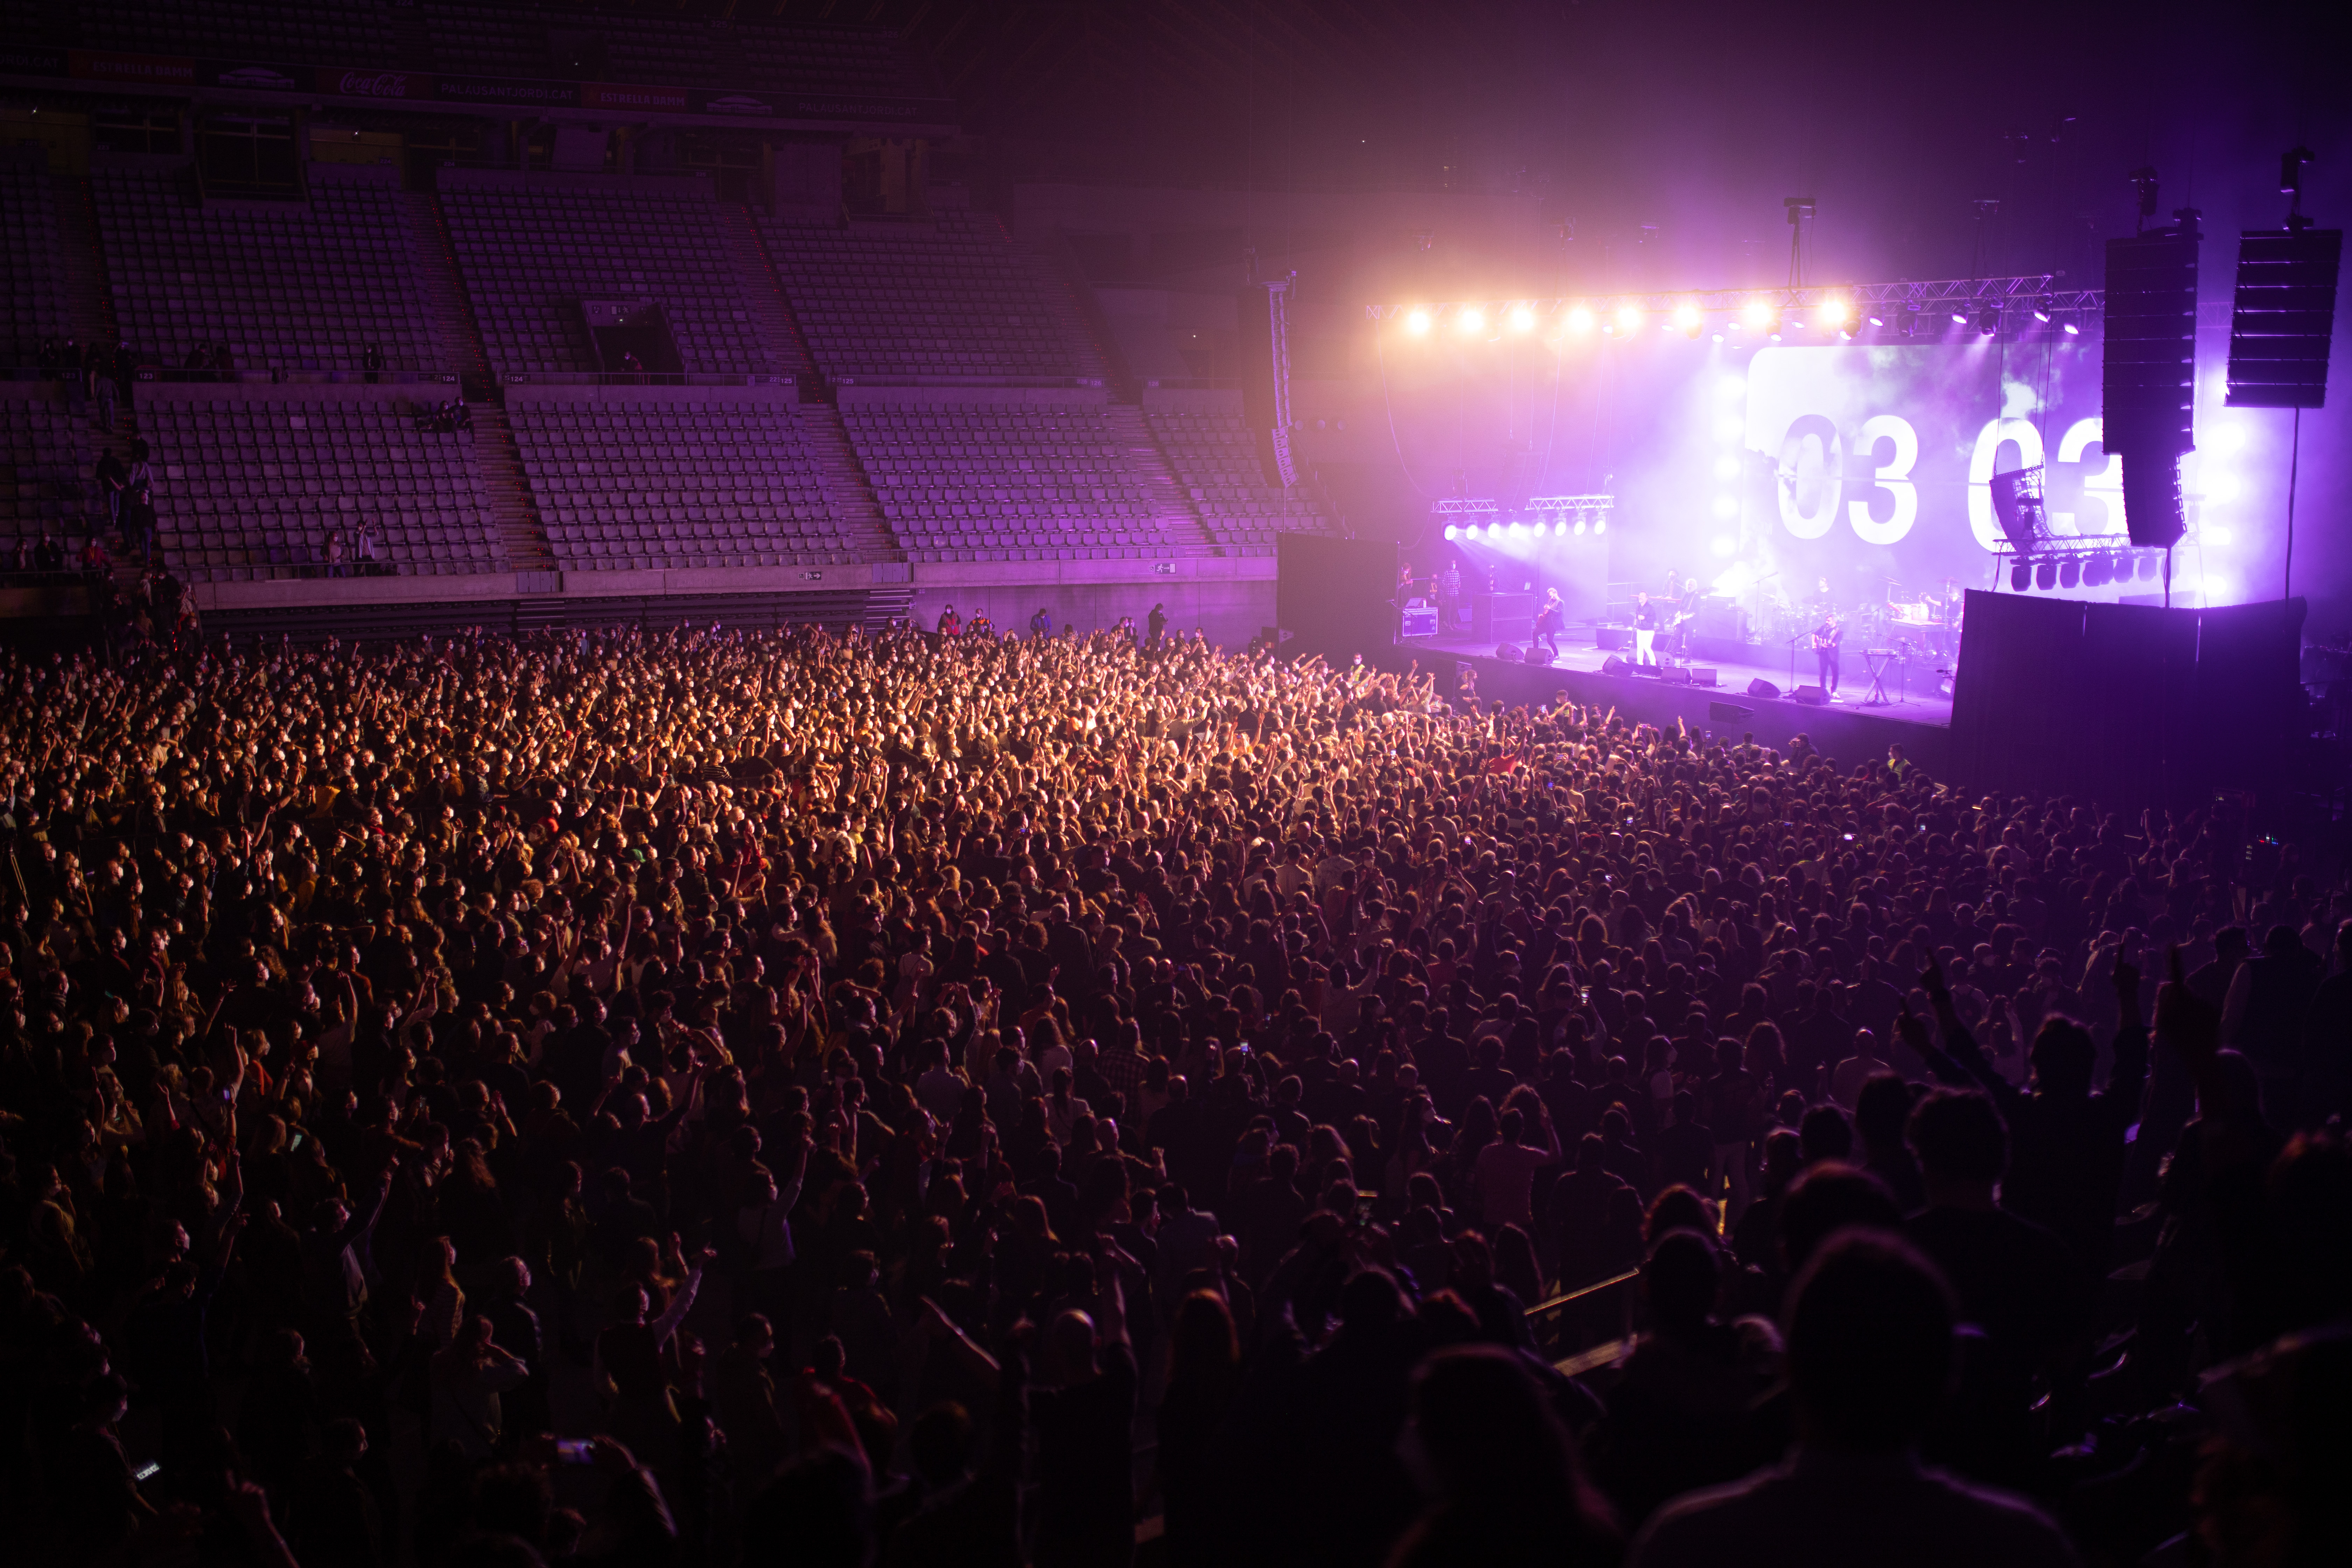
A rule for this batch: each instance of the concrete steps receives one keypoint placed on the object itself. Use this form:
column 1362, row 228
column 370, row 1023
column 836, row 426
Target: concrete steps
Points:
column 1171, row 508
column 845, row 485
column 90, row 297
column 778, row 335
column 456, row 336
column 521, row 532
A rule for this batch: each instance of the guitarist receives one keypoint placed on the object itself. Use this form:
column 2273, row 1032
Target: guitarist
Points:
column 1826, row 638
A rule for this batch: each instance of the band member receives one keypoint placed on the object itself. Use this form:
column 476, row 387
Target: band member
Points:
column 1826, row 638
column 1449, row 594
column 1549, row 620
column 1685, row 613
column 1645, row 629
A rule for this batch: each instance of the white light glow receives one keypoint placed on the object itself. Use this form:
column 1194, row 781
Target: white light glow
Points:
column 1729, row 427
column 1628, row 317
column 2220, row 490
column 1523, row 319
column 1686, row 318
column 1832, row 313
column 1731, row 386
column 2214, row 536
column 2225, row 439
column 1416, row 322
column 1452, row 531
column 1472, row 319
column 1727, row 467
column 1724, row 546
column 1726, row 507
column 1757, row 315
column 1580, row 319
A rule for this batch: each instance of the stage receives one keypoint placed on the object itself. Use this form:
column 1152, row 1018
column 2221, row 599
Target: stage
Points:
column 1850, row 728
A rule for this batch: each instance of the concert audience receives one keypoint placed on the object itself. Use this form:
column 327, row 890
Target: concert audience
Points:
column 713, row 1099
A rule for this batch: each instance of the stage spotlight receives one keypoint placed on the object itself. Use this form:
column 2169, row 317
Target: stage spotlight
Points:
column 2095, row 571
column 1579, row 525
column 2072, row 330
column 1600, row 525
column 1523, row 319
column 1452, row 531
column 2021, row 576
column 1580, row 319
column 1726, row 506
column 1832, row 313
column 2070, row 572
column 2046, row 574
column 1907, row 321
column 2147, row 567
column 1959, row 318
column 2043, row 310
column 1988, row 320
column 1518, row 529
column 1686, row 318
column 1416, row 322
column 1876, row 317
column 1471, row 320
column 1628, row 317
column 1725, row 546
column 1757, row 315
column 1727, row 467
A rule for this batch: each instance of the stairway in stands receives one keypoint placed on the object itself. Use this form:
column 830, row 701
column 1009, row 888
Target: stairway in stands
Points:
column 771, row 318
column 780, row 338
column 456, row 335
column 887, row 602
column 519, row 527
column 1171, row 508
column 89, row 316
column 457, row 341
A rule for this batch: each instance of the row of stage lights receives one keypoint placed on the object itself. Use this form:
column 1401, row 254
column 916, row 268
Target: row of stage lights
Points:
column 2094, row 571
column 1835, row 316
column 1563, row 527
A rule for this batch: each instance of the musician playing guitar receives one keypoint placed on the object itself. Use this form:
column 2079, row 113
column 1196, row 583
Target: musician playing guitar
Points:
column 1826, row 638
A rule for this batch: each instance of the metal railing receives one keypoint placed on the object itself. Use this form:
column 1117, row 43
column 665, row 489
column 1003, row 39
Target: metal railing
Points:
column 1578, row 1325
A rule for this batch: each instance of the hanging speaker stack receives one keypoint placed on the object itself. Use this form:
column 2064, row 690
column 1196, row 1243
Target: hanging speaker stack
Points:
column 2148, row 370
column 2285, row 309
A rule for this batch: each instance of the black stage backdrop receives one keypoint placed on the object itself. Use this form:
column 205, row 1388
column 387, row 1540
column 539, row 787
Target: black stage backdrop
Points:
column 2126, row 703
column 1334, row 596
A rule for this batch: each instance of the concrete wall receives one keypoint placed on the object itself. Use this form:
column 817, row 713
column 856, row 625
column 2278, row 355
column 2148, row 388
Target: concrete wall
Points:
column 1229, row 599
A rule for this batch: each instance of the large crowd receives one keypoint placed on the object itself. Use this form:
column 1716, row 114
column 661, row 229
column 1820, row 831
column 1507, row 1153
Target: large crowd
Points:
column 716, row 1097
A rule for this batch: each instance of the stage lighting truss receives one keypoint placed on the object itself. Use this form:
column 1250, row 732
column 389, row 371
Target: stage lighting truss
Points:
column 1852, row 309
column 2061, row 560
column 1540, row 517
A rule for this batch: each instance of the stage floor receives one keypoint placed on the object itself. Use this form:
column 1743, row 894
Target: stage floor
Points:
column 1911, row 696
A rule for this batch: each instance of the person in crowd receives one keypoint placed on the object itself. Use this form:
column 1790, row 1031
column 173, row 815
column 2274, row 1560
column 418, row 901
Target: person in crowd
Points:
column 851, row 1076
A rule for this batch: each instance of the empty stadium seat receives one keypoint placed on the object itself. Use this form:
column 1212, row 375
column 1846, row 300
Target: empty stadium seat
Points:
column 628, row 484
column 286, row 284
column 45, row 459
column 1004, row 481
column 530, row 255
column 248, row 489
column 32, row 267
column 952, row 304
column 1215, row 459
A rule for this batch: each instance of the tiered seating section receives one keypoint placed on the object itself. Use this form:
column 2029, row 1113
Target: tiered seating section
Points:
column 350, row 32
column 285, row 285
column 1003, row 481
column 1216, row 460
column 564, row 44
column 32, row 267
column 45, row 459
column 528, row 254
column 952, row 305
column 248, row 489
column 628, row 483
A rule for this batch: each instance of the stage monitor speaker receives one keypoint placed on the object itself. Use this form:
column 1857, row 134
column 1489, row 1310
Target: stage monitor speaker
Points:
column 2283, row 317
column 1762, row 689
column 1675, row 674
column 1729, row 714
column 1704, row 675
column 1612, row 665
column 1510, row 653
column 1812, row 696
column 1542, row 655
